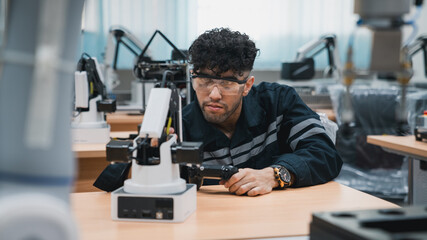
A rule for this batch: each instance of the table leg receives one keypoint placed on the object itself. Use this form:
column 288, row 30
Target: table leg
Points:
column 410, row 180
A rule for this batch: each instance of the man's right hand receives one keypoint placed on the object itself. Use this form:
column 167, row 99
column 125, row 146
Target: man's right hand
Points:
column 155, row 141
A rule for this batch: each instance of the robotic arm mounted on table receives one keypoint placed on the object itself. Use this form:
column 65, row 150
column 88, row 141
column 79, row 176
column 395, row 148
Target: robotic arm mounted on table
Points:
column 384, row 18
column 149, row 72
column 303, row 66
column 415, row 47
column 93, row 84
column 156, row 167
column 91, row 103
column 175, row 70
column 122, row 37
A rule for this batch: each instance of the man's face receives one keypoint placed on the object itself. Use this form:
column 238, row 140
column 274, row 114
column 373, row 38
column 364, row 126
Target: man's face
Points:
column 219, row 106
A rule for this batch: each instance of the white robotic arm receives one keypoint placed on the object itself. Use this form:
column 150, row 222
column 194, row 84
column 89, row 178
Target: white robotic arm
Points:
column 156, row 167
column 420, row 44
column 91, row 103
column 155, row 192
column 384, row 18
column 117, row 36
column 303, row 65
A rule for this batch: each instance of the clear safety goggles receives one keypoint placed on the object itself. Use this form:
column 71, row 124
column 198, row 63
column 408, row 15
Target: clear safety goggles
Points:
column 226, row 85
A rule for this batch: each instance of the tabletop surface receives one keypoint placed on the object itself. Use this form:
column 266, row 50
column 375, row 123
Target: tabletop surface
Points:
column 404, row 144
column 221, row 215
column 124, row 117
column 124, row 120
column 92, row 150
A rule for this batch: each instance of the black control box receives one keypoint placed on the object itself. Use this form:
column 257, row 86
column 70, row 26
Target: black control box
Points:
column 106, row 105
column 145, row 208
column 118, row 150
column 187, row 152
column 303, row 70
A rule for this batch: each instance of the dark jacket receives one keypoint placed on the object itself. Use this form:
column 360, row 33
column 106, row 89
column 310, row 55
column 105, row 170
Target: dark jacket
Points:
column 275, row 127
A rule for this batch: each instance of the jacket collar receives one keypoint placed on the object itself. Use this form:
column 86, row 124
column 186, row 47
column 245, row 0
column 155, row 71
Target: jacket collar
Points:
column 251, row 116
column 253, row 111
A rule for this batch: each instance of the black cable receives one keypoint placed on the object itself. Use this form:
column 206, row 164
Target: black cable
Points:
column 85, row 54
column 78, row 113
column 164, row 76
column 140, row 144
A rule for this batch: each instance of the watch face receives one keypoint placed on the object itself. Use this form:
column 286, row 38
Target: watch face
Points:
column 284, row 175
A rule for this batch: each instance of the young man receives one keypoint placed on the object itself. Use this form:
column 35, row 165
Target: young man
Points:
column 266, row 131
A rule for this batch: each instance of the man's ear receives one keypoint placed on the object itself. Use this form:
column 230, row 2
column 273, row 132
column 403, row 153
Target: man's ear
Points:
column 248, row 85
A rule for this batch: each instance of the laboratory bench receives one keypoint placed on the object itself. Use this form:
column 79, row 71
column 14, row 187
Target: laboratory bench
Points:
column 124, row 120
column 416, row 151
column 222, row 215
column 402, row 145
column 91, row 160
column 129, row 121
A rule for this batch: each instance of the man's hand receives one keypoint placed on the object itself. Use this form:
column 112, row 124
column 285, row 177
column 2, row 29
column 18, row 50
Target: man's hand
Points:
column 251, row 181
column 155, row 141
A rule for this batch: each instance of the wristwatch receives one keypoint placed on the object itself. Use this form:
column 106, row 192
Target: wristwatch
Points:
column 282, row 175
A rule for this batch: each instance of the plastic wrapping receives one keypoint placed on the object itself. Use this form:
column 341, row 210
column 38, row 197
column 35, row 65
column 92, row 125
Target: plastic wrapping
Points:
column 384, row 183
column 368, row 167
column 374, row 114
column 374, row 108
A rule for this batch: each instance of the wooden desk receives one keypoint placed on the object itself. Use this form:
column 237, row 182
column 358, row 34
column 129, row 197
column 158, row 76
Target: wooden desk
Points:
column 124, row 121
column 95, row 150
column 91, row 160
column 407, row 146
column 221, row 215
column 402, row 145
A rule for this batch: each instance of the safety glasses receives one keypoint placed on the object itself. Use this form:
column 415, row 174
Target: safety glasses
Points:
column 205, row 83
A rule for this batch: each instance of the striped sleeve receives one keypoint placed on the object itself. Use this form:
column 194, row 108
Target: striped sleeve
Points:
column 304, row 129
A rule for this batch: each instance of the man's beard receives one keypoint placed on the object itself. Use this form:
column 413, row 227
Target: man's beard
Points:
column 220, row 118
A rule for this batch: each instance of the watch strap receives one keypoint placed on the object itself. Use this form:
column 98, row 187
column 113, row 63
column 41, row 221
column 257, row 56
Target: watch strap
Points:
column 281, row 183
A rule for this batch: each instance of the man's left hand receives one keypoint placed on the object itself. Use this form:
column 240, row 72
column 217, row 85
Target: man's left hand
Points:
column 251, row 181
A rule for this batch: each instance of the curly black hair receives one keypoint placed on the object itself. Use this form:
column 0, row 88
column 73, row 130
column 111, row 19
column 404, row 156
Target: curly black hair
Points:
column 221, row 50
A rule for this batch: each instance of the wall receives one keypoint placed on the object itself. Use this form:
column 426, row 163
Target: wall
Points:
column 273, row 75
